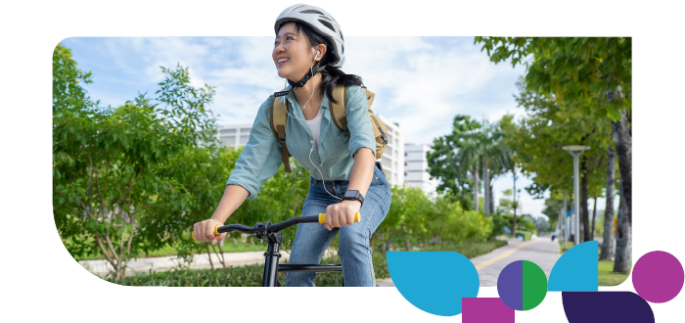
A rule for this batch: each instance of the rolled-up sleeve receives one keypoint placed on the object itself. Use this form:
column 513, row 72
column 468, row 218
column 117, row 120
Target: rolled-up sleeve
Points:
column 359, row 121
column 261, row 157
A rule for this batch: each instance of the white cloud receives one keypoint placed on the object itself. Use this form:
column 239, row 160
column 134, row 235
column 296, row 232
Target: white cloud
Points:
column 423, row 83
column 420, row 82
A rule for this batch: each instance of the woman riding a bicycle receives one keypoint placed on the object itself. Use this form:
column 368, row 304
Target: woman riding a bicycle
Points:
column 344, row 178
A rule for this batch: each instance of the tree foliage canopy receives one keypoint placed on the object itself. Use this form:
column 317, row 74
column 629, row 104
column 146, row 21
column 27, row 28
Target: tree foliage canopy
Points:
column 577, row 71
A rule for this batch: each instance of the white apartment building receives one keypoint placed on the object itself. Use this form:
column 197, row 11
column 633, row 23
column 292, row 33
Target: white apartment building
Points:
column 416, row 168
column 234, row 135
column 393, row 157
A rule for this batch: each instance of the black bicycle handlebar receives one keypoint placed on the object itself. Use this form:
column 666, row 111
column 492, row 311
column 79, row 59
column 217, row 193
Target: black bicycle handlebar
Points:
column 271, row 228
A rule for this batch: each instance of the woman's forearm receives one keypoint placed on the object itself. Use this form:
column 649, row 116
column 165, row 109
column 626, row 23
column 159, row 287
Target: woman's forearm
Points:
column 234, row 196
column 362, row 171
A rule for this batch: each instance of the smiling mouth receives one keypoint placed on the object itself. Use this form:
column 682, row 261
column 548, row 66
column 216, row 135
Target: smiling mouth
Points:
column 283, row 61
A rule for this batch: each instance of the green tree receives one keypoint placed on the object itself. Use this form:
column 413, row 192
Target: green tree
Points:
column 541, row 224
column 528, row 222
column 106, row 184
column 553, row 205
column 538, row 140
column 471, row 147
column 511, row 205
column 414, row 218
column 470, row 155
column 592, row 75
column 446, row 164
column 607, row 251
column 496, row 159
column 200, row 175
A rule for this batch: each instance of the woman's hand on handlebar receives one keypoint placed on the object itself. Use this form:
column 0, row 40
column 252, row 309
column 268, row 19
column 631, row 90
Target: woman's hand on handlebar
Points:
column 204, row 231
column 341, row 214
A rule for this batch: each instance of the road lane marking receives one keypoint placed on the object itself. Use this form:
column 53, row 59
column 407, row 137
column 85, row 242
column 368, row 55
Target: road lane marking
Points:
column 503, row 255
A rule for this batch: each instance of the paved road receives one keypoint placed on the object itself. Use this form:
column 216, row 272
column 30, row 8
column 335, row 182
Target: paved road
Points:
column 542, row 251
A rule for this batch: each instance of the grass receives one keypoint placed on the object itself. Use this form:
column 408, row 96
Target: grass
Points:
column 607, row 276
column 242, row 276
column 252, row 275
column 227, row 247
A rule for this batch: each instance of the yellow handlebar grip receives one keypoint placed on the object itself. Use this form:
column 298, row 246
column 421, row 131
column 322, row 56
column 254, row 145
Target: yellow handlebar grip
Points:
column 216, row 231
column 322, row 217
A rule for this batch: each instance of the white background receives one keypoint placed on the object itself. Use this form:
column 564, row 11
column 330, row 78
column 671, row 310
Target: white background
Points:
column 42, row 281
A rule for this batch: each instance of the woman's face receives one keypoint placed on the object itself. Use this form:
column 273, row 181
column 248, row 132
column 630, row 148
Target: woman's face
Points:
column 292, row 54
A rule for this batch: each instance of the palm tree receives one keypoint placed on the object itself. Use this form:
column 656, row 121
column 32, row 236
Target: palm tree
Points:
column 497, row 159
column 485, row 147
column 470, row 157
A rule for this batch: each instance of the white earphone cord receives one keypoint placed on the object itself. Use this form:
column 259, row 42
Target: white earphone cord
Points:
column 312, row 131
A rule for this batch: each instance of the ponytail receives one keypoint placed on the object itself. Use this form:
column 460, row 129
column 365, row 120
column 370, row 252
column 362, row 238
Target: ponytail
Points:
column 332, row 76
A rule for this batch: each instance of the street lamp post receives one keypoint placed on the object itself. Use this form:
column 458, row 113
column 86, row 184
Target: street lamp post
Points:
column 565, row 224
column 576, row 151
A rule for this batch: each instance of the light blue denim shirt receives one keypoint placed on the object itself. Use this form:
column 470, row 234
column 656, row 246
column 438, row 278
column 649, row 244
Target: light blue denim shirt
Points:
column 261, row 157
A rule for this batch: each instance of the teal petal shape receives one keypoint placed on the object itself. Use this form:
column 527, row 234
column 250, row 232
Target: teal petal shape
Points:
column 434, row 281
column 576, row 270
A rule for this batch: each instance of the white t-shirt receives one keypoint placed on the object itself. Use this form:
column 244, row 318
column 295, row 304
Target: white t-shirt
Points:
column 315, row 124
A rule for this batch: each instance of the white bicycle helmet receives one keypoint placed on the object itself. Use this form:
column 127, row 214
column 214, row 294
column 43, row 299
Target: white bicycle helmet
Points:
column 322, row 23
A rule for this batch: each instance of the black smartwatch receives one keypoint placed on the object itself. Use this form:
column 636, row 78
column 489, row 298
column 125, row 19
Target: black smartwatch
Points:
column 353, row 195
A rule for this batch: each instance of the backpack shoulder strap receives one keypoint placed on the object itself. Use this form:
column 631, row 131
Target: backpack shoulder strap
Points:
column 338, row 113
column 278, row 123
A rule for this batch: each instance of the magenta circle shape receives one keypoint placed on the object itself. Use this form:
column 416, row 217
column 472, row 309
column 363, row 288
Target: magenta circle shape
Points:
column 658, row 277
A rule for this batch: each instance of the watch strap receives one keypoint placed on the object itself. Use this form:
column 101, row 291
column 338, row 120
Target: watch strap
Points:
column 358, row 196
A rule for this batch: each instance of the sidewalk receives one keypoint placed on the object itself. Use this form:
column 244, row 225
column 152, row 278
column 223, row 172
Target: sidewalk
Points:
column 200, row 261
column 541, row 251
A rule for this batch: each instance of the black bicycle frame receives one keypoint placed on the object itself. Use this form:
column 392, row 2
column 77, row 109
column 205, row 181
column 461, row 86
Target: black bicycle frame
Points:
column 271, row 233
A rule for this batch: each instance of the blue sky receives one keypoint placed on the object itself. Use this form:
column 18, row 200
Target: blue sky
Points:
column 420, row 82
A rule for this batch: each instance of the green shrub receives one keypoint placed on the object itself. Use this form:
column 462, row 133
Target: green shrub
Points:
column 243, row 276
column 526, row 234
column 498, row 224
column 251, row 275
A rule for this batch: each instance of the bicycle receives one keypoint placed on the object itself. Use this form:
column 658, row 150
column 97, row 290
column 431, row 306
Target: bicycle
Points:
column 272, row 234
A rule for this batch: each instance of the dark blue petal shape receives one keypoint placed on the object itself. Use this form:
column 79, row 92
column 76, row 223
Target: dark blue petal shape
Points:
column 603, row 307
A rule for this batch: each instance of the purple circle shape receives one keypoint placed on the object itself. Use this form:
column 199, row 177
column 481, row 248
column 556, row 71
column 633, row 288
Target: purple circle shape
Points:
column 658, row 277
column 510, row 285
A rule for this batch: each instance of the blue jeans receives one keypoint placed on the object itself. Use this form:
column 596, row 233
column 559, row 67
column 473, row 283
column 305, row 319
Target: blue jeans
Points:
column 312, row 239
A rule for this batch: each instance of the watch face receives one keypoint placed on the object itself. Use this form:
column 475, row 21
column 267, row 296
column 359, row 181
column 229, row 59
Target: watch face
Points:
column 350, row 193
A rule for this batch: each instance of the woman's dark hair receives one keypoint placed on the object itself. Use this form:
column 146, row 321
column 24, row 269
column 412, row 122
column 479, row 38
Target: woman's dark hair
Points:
column 330, row 75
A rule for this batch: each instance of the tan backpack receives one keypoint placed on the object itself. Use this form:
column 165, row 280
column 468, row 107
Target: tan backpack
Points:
column 339, row 116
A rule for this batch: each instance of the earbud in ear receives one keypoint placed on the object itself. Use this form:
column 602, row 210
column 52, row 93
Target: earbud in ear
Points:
column 317, row 54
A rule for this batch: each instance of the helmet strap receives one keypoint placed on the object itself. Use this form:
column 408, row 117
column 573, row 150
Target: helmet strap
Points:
column 294, row 85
